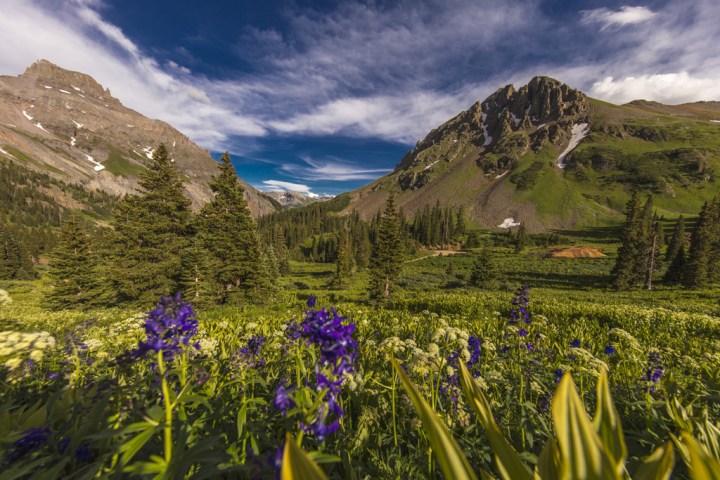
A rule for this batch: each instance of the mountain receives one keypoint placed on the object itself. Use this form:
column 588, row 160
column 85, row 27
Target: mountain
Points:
column 290, row 199
column 551, row 157
column 68, row 126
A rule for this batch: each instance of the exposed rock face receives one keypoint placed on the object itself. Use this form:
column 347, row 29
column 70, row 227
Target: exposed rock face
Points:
column 292, row 199
column 541, row 101
column 67, row 125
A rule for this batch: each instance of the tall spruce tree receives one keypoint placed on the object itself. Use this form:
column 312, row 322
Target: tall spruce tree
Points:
column 677, row 240
column 702, row 259
column 195, row 275
column 521, row 239
column 344, row 261
column 484, row 271
column 74, row 270
column 632, row 258
column 386, row 259
column 229, row 234
column 152, row 230
column 15, row 262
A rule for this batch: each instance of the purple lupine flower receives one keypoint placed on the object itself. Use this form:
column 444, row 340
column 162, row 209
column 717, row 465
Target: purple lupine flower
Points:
column 520, row 303
column 474, row 349
column 522, row 332
column 32, row 440
column 575, row 343
column 654, row 370
column 530, row 347
column 312, row 301
column 558, row 375
column 169, row 327
column 283, row 401
column 609, row 350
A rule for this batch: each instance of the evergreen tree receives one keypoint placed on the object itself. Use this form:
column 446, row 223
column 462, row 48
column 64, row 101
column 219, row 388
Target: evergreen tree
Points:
column 521, row 238
column 230, row 236
column 631, row 257
column 15, row 262
column 196, row 275
column 74, row 270
column 343, row 262
column 386, row 259
column 151, row 232
column 677, row 240
column 674, row 273
column 702, row 258
column 281, row 251
column 652, row 255
column 484, row 271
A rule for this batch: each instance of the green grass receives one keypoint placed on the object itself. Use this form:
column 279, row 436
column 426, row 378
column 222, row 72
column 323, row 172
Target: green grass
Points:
column 119, row 165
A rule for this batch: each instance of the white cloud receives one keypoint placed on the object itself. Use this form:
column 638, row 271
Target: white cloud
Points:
column 73, row 35
column 625, row 16
column 669, row 88
column 332, row 169
column 280, row 186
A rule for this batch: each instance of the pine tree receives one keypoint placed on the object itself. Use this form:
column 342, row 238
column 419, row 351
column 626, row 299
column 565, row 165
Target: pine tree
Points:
column 521, row 238
column 704, row 247
column 677, row 240
column 484, row 271
column 343, row 262
column 74, row 270
column 281, row 251
column 15, row 262
column 386, row 259
column 230, row 236
column 152, row 230
column 674, row 273
column 631, row 257
column 196, row 275
column 652, row 255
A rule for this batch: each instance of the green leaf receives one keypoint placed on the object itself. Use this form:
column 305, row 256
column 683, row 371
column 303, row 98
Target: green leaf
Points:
column 549, row 464
column 607, row 424
column 132, row 446
column 296, row 465
column 702, row 466
column 509, row 463
column 657, row 466
column 450, row 457
column 582, row 452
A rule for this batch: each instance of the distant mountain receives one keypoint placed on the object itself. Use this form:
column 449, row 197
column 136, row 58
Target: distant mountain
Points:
column 291, row 199
column 65, row 124
column 551, row 157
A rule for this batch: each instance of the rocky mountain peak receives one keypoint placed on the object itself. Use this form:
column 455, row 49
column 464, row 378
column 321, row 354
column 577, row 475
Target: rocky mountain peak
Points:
column 47, row 74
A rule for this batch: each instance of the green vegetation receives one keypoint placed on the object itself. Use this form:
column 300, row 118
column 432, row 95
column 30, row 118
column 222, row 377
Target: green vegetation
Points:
column 118, row 164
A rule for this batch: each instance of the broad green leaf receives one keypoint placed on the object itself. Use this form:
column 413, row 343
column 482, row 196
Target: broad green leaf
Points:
column 582, row 452
column 450, row 457
column 296, row 465
column 702, row 466
column 509, row 463
column 549, row 464
column 607, row 424
column 657, row 466
column 132, row 446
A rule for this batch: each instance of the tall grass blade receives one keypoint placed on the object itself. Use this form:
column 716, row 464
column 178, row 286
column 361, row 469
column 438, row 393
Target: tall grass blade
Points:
column 450, row 457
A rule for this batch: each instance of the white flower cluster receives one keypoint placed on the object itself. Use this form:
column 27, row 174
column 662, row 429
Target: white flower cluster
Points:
column 16, row 344
column 625, row 338
column 5, row 298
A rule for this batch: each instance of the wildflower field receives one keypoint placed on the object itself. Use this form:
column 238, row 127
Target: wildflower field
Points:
column 168, row 392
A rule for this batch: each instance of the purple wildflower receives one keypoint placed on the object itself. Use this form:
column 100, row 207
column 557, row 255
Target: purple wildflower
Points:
column 654, row 370
column 521, row 303
column 283, row 401
column 312, row 301
column 522, row 332
column 31, row 440
column 169, row 327
column 609, row 350
column 558, row 375
column 575, row 343
column 474, row 349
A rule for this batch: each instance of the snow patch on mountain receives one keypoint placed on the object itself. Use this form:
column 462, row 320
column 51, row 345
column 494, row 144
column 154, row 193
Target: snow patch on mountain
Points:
column 579, row 132
column 509, row 223
column 27, row 116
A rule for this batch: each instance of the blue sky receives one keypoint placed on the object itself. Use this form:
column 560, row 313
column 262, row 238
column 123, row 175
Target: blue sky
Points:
column 328, row 95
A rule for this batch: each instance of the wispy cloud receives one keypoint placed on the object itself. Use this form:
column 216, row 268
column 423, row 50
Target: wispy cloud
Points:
column 280, row 186
column 617, row 18
column 331, row 169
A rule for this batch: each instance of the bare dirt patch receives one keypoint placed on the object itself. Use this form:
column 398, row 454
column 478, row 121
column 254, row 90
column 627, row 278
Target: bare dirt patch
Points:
column 575, row 252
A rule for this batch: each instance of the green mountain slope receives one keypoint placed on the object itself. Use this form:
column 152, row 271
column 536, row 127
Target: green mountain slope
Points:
column 551, row 157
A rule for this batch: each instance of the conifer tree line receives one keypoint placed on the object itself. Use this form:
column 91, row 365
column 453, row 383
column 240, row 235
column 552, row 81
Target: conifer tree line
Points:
column 693, row 264
column 158, row 246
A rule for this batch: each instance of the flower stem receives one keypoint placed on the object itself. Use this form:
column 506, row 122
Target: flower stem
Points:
column 167, row 430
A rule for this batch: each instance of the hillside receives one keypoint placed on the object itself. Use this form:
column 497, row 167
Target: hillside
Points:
column 66, row 125
column 551, row 157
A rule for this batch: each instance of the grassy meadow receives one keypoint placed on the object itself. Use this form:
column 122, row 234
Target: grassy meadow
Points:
column 76, row 402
